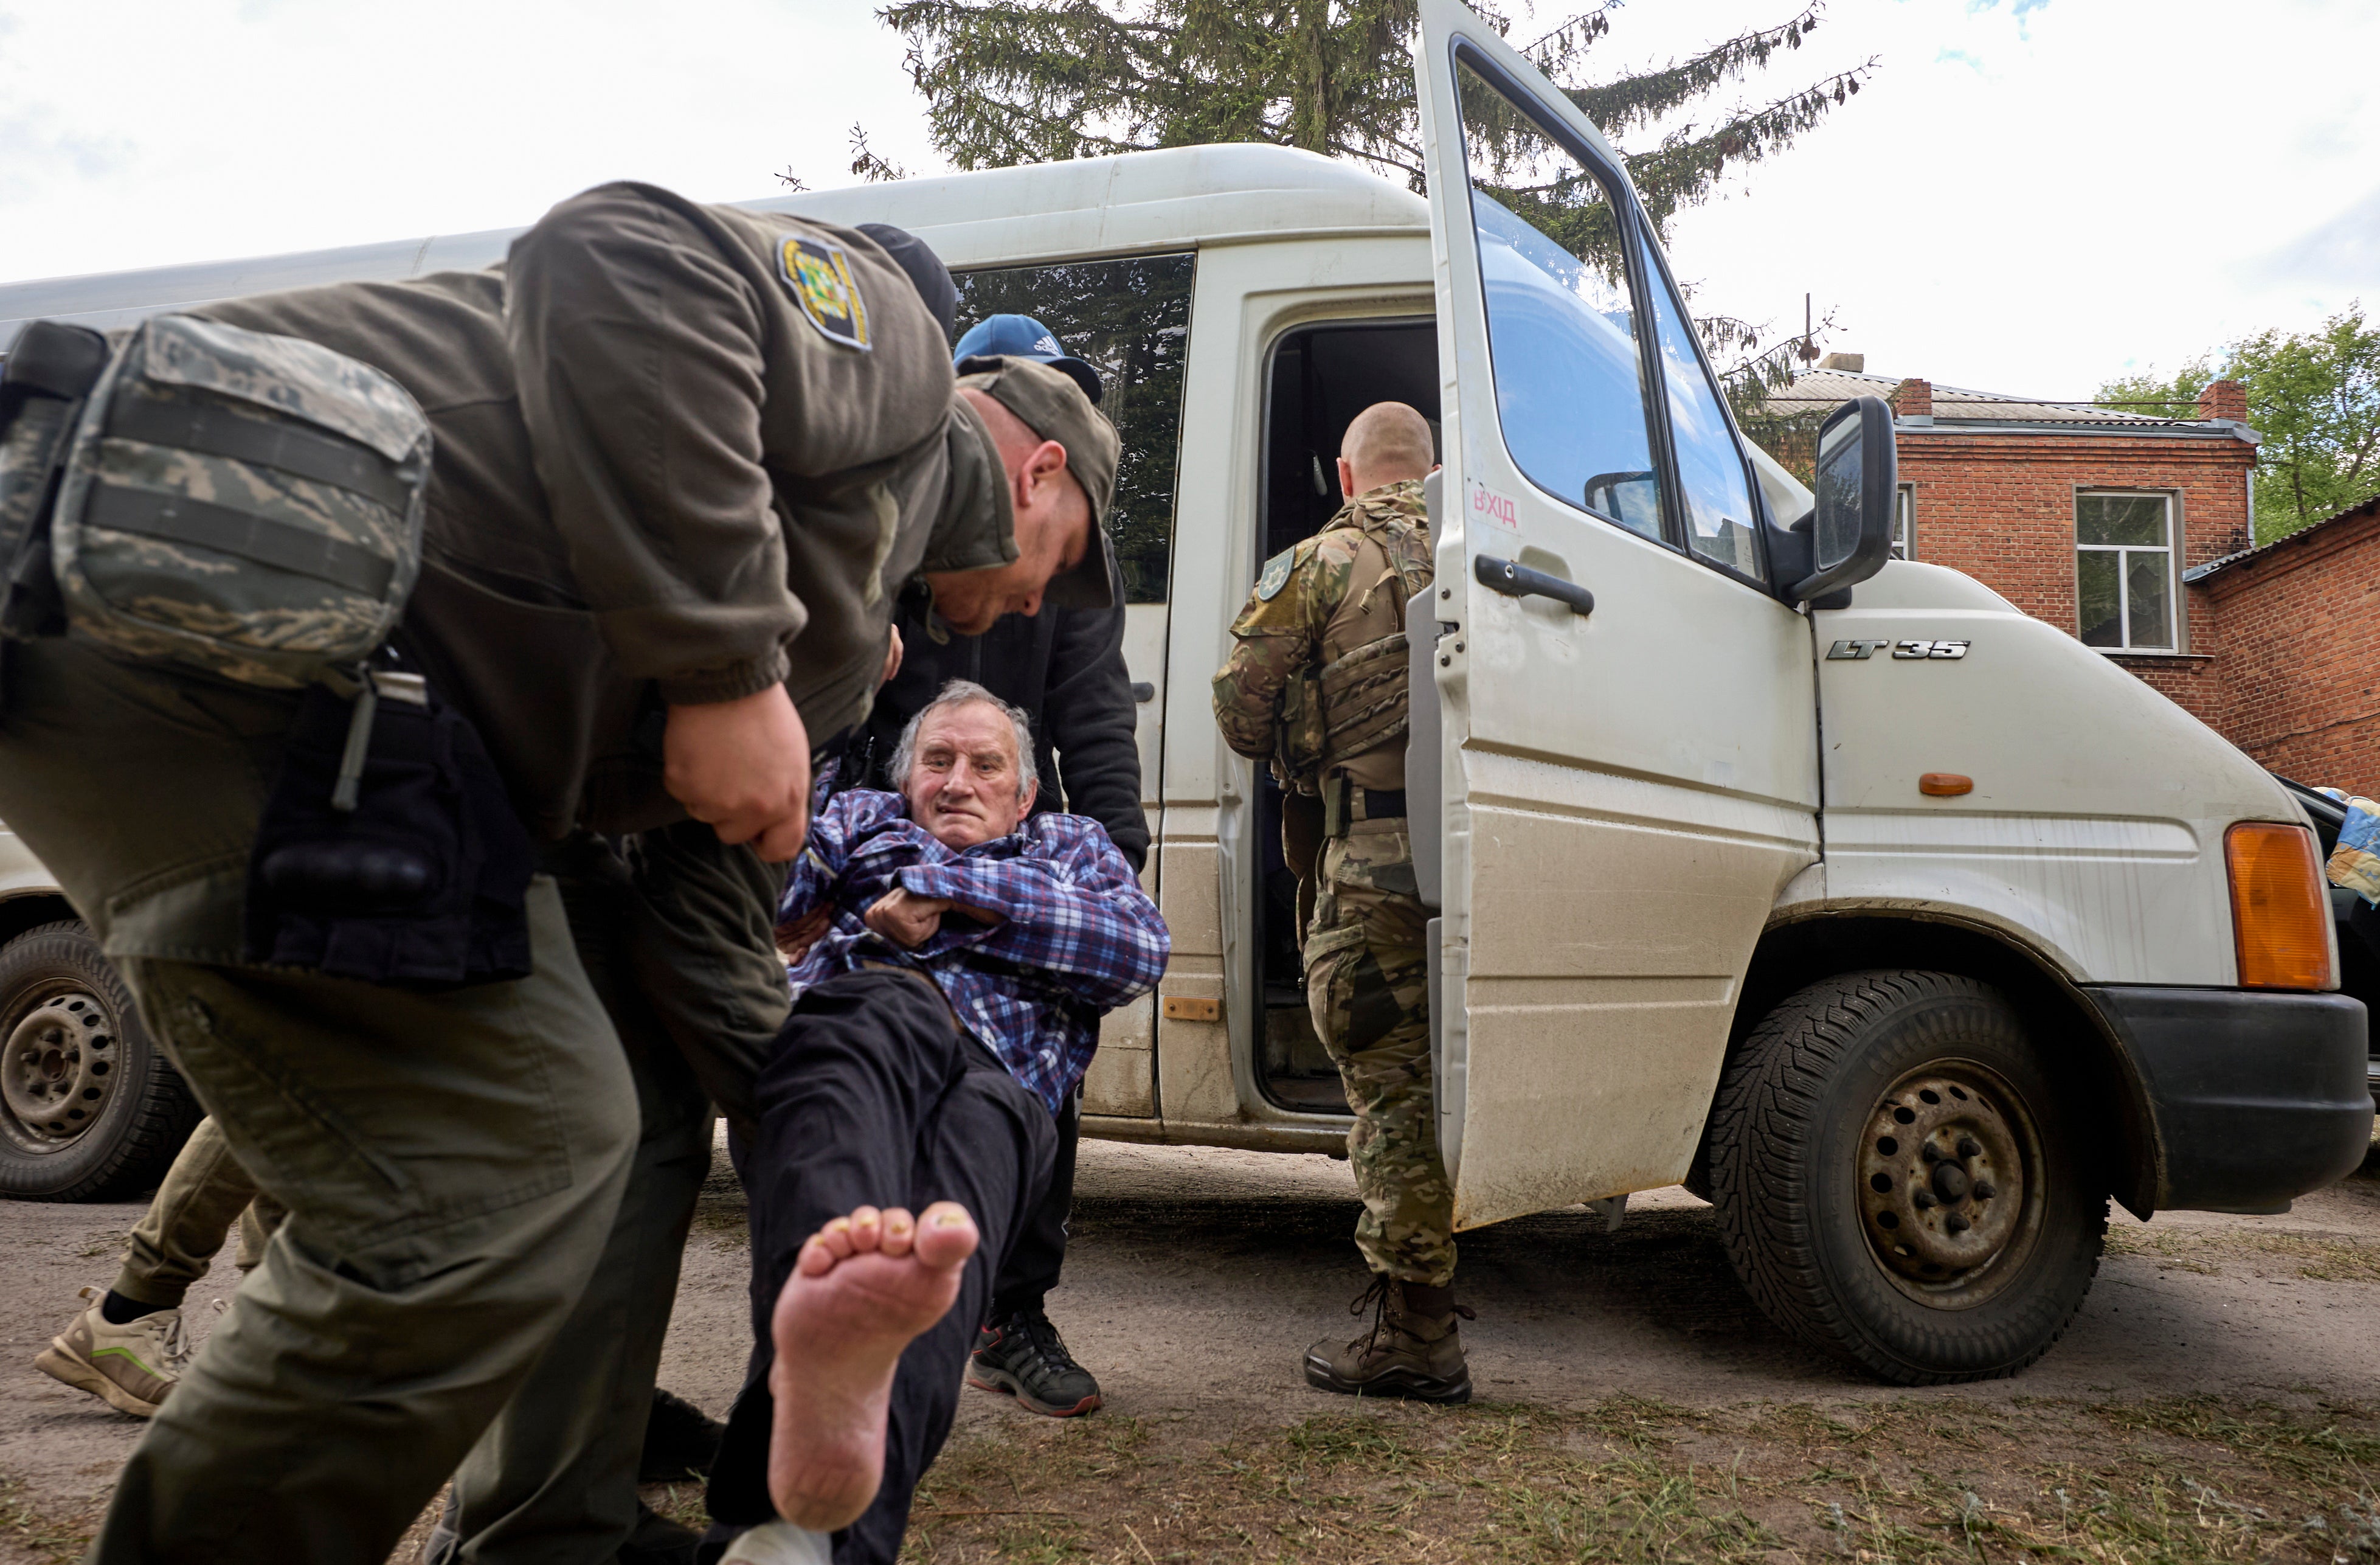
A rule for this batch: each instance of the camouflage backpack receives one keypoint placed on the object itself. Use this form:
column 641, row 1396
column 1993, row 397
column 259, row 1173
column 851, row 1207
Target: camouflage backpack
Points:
column 241, row 503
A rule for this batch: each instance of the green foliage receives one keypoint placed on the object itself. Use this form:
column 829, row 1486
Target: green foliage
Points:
column 2315, row 397
column 1014, row 81
column 2155, row 396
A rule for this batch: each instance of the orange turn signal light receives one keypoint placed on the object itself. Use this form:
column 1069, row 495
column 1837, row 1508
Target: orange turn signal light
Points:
column 1944, row 785
column 2280, row 914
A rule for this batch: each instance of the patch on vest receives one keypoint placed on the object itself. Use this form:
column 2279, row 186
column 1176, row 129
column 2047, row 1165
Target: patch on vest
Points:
column 1276, row 575
column 819, row 276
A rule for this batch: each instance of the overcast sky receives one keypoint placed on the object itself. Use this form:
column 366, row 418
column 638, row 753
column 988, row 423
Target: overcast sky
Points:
column 2033, row 194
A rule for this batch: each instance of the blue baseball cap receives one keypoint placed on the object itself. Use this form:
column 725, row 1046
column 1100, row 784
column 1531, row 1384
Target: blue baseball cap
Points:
column 1022, row 337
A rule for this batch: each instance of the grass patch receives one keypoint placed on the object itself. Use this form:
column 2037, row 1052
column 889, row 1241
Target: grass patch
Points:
column 33, row 1533
column 1921, row 1479
column 680, row 1502
column 2321, row 1257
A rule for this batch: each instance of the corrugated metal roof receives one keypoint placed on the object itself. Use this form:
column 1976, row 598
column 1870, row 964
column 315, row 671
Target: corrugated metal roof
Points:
column 1824, row 388
column 2197, row 573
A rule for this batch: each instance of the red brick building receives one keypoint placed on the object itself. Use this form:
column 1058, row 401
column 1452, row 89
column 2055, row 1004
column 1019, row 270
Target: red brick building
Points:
column 2132, row 535
column 2298, row 624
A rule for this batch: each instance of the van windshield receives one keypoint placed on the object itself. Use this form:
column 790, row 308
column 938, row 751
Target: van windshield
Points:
column 1562, row 330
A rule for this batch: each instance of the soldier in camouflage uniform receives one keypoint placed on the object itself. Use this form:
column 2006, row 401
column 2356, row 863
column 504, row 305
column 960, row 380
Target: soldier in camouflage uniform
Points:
column 1316, row 685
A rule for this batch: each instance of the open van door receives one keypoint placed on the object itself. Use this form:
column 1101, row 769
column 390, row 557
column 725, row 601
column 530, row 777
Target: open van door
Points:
column 1628, row 730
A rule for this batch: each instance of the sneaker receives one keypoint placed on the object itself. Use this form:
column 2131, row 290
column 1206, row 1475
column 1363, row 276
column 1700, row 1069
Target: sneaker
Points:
column 1412, row 1350
column 1023, row 1357
column 680, row 1440
column 130, row 1368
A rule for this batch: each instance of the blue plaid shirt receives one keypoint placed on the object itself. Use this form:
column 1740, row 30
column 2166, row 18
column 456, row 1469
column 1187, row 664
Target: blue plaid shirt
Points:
column 1076, row 938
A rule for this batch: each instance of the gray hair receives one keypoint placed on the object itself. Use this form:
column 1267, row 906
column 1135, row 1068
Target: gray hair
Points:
column 966, row 692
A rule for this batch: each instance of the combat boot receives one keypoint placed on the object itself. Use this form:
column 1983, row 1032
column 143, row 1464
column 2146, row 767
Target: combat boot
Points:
column 1412, row 1349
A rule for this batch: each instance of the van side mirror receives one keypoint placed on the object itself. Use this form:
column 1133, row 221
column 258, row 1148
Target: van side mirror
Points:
column 1850, row 533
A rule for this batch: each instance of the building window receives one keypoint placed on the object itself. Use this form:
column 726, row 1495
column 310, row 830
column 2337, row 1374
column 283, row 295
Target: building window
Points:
column 1904, row 522
column 2123, row 571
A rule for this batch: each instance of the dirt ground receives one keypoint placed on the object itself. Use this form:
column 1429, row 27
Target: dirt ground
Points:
column 2218, row 1396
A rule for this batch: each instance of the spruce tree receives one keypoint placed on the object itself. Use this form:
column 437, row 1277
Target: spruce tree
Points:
column 1014, row 81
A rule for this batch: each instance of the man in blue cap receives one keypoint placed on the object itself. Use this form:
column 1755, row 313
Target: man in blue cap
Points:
column 1022, row 337
column 1065, row 667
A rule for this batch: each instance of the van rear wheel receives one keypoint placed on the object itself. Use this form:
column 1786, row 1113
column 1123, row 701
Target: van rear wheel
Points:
column 1899, row 1181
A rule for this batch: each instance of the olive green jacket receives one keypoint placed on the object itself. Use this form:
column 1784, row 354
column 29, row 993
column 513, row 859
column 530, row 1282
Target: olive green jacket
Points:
column 682, row 453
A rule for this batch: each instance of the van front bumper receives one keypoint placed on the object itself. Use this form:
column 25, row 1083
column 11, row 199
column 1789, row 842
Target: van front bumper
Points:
column 2258, row 1097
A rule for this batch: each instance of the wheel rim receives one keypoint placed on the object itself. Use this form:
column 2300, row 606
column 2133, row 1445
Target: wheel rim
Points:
column 58, row 1066
column 1951, row 1183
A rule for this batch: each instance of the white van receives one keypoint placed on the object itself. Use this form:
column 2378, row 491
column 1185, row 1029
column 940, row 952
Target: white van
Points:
column 1903, row 927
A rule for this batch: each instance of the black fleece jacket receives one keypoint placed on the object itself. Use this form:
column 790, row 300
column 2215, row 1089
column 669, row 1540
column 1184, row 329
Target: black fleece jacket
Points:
column 1065, row 667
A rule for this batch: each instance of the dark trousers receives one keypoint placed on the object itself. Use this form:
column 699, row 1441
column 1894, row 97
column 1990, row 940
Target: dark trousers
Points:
column 1039, row 1248
column 875, row 1097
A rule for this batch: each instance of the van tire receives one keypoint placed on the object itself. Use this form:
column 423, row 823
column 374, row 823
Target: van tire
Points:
column 1903, row 1251
column 68, row 1029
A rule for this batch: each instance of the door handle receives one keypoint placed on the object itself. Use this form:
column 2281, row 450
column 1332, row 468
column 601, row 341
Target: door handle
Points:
column 1515, row 581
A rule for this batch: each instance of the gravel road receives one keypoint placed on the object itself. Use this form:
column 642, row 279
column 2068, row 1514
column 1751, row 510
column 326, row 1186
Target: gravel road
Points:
column 1198, row 1275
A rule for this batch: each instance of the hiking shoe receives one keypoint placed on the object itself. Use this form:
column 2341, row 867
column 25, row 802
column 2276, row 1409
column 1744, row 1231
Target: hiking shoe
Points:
column 680, row 1439
column 130, row 1368
column 1412, row 1349
column 1023, row 1357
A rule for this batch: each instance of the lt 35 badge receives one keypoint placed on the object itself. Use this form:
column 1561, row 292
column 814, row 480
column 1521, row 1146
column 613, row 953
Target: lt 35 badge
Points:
column 818, row 275
column 1864, row 649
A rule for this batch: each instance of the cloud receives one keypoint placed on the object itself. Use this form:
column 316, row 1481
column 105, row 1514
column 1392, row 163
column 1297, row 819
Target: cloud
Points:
column 2018, row 10
column 1959, row 57
column 2341, row 252
column 39, row 155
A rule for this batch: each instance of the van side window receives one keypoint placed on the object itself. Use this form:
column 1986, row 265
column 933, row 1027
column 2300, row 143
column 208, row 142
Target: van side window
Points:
column 1720, row 525
column 1130, row 320
column 1562, row 334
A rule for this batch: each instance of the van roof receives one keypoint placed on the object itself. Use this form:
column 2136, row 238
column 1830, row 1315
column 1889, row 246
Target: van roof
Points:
column 1173, row 198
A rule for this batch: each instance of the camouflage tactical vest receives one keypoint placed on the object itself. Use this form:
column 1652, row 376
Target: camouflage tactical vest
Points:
column 240, row 503
column 1359, row 701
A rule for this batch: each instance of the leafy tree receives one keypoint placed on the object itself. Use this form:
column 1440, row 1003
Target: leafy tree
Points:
column 2155, row 396
column 1013, row 81
column 2313, row 397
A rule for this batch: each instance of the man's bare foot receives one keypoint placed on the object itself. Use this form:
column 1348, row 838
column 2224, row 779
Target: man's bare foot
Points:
column 863, row 1286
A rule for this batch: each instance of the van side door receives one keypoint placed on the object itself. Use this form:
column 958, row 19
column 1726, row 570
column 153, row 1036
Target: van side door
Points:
column 1629, row 752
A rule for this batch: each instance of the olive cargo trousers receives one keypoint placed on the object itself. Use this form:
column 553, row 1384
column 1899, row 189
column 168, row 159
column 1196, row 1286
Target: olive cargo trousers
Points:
column 203, row 1194
column 676, row 936
column 452, row 1163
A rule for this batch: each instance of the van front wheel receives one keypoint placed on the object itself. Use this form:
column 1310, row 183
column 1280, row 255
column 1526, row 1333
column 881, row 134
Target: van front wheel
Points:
column 1898, row 1180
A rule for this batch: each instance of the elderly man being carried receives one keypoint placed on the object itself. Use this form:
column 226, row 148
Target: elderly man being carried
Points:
column 952, row 958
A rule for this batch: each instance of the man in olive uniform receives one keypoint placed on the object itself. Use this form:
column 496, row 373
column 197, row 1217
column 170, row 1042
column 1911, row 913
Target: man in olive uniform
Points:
column 686, row 458
column 1316, row 684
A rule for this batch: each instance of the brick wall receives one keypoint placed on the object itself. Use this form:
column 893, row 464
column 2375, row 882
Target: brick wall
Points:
column 1999, row 506
column 2300, row 622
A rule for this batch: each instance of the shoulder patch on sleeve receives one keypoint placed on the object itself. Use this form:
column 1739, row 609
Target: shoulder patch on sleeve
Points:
column 818, row 275
column 1276, row 574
